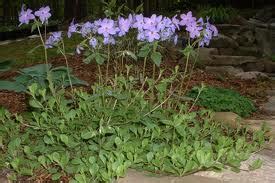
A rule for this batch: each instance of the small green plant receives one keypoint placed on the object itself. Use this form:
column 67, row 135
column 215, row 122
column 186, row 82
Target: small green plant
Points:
column 222, row 100
column 39, row 74
column 5, row 65
column 101, row 134
column 218, row 14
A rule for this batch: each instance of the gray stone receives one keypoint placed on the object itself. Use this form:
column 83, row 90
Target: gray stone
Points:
column 5, row 42
column 224, row 70
column 269, row 66
column 143, row 177
column 247, row 51
column 228, row 29
column 270, row 92
column 269, row 107
column 223, row 41
column 230, row 118
column 227, row 51
column 33, row 36
column 253, row 66
column 246, row 39
column 266, row 40
column 252, row 75
column 205, row 54
column 222, row 60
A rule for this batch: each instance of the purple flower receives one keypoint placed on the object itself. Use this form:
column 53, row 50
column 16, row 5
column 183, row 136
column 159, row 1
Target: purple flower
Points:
column 72, row 28
column 54, row 38
column 152, row 35
column 107, row 28
column 209, row 32
column 44, row 14
column 176, row 22
column 25, row 16
column 152, row 22
column 139, row 22
column 141, row 36
column 187, row 19
column 194, row 30
column 86, row 29
column 109, row 40
column 93, row 42
column 124, row 25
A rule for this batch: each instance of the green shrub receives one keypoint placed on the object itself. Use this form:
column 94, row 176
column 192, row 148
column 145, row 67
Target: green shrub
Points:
column 223, row 100
column 39, row 74
column 97, row 136
column 218, row 14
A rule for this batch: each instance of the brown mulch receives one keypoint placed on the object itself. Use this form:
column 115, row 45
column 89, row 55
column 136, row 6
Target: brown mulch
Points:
column 17, row 102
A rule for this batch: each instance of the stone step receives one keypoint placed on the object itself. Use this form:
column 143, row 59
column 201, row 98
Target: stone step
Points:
column 225, row 60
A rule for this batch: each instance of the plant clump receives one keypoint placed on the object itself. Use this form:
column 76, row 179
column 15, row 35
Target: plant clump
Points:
column 223, row 100
column 97, row 136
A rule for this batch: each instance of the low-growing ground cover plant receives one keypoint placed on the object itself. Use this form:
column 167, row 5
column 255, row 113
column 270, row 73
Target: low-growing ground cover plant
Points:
column 223, row 100
column 97, row 136
column 127, row 121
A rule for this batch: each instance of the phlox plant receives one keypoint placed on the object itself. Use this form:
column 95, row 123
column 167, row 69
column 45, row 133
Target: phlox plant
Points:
column 39, row 19
column 149, row 33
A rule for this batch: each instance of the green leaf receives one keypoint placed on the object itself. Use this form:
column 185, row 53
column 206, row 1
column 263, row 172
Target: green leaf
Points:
column 80, row 178
column 131, row 54
column 150, row 156
column 118, row 141
column 144, row 51
column 156, row 58
column 256, row 165
column 35, row 104
column 11, row 86
column 64, row 138
column 56, row 176
column 89, row 58
column 100, row 58
column 88, row 135
column 42, row 160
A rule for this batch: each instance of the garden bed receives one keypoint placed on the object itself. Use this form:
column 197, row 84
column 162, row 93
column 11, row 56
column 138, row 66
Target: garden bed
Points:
column 16, row 102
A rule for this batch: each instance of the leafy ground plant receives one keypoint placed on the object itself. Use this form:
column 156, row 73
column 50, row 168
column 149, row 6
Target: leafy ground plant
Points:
column 39, row 74
column 97, row 136
column 223, row 100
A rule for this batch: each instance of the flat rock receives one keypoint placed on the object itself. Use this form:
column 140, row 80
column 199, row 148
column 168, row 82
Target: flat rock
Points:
column 223, row 41
column 143, row 177
column 205, row 54
column 223, row 60
column 269, row 66
column 33, row 36
column 257, row 124
column 253, row 66
column 269, row 107
column 252, row 75
column 263, row 175
column 5, row 42
column 224, row 70
column 230, row 118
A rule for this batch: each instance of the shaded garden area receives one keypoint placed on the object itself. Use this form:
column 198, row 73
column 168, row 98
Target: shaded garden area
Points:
column 92, row 89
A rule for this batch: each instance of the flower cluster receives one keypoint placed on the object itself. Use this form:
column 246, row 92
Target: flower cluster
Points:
column 54, row 39
column 149, row 29
column 25, row 16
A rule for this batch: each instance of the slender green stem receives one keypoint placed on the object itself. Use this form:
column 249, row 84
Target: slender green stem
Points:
column 43, row 43
column 108, row 63
column 63, row 52
column 100, row 74
column 144, row 67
